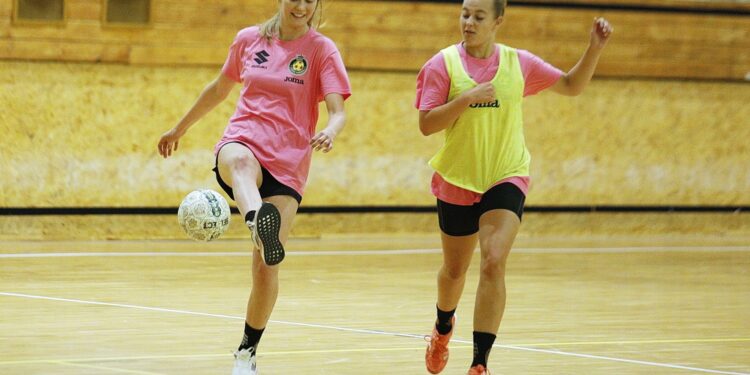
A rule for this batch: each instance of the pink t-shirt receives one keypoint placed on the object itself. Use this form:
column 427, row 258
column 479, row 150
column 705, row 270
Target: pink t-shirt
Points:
column 283, row 82
column 433, row 86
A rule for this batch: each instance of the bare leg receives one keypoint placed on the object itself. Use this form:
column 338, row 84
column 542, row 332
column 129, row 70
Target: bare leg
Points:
column 457, row 253
column 239, row 168
column 265, row 288
column 497, row 231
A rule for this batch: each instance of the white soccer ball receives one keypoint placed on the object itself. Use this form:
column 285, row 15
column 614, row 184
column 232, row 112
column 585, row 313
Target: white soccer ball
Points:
column 204, row 215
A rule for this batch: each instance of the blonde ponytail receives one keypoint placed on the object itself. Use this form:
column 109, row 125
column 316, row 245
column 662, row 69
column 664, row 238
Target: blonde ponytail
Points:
column 271, row 27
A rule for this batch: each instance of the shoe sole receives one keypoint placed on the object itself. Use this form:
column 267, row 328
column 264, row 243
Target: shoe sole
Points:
column 267, row 226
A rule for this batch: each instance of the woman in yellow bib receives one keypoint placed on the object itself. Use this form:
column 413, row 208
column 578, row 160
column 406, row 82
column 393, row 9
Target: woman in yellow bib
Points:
column 473, row 90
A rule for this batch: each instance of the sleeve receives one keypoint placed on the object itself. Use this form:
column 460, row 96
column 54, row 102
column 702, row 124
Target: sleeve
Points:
column 433, row 84
column 333, row 77
column 538, row 74
column 233, row 65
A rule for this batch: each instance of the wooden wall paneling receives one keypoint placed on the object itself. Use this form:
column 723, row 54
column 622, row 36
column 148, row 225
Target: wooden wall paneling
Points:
column 384, row 35
column 645, row 27
column 85, row 31
column 524, row 23
column 683, row 39
column 165, row 54
column 63, row 51
column 40, row 19
column 398, row 17
column 80, row 10
column 134, row 13
column 6, row 9
column 624, row 141
column 212, row 13
column 5, row 28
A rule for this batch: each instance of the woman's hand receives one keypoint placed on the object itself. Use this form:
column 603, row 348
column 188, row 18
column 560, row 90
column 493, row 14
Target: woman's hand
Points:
column 600, row 32
column 168, row 142
column 323, row 140
column 481, row 93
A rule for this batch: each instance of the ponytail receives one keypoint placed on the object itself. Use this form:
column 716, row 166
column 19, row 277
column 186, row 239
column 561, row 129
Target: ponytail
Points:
column 270, row 27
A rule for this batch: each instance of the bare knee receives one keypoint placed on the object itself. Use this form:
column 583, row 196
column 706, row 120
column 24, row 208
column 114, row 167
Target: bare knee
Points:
column 493, row 263
column 242, row 162
column 264, row 274
column 454, row 271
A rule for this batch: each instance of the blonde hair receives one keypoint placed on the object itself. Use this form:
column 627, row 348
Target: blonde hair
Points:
column 271, row 27
column 500, row 7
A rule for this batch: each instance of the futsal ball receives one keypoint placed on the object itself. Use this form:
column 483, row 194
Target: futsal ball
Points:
column 204, row 215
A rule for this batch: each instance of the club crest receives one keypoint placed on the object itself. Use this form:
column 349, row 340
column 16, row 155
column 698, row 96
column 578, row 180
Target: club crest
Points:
column 298, row 65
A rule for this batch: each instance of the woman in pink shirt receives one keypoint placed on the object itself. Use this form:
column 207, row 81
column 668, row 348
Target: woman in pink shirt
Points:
column 286, row 68
column 473, row 90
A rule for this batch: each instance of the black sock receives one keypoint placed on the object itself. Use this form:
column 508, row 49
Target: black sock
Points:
column 251, row 337
column 443, row 324
column 482, row 346
column 249, row 216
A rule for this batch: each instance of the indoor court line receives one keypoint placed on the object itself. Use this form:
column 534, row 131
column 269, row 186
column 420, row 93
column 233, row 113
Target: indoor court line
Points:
column 639, row 342
column 114, row 369
column 522, row 250
column 261, row 355
column 376, row 332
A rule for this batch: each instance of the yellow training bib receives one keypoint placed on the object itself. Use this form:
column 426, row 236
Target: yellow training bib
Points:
column 486, row 143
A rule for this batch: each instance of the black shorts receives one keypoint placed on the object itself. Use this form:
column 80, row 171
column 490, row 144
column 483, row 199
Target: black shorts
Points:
column 268, row 188
column 458, row 220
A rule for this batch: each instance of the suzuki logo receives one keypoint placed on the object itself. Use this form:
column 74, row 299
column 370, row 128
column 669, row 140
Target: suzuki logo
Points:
column 260, row 57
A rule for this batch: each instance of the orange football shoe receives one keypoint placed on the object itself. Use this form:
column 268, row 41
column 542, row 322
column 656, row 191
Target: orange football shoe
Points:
column 436, row 356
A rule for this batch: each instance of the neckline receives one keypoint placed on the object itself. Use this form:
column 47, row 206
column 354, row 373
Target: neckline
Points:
column 301, row 37
column 498, row 50
column 495, row 50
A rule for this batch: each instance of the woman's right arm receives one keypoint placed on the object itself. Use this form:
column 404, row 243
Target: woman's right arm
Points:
column 443, row 116
column 213, row 94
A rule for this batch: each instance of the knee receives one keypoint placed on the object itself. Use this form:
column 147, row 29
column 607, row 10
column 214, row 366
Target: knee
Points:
column 453, row 271
column 264, row 274
column 493, row 264
column 242, row 162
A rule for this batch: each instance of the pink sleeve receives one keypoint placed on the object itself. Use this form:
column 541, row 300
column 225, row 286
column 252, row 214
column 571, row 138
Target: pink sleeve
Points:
column 233, row 65
column 433, row 84
column 333, row 77
column 537, row 73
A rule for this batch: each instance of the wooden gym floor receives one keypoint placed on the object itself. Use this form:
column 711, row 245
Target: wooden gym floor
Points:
column 361, row 305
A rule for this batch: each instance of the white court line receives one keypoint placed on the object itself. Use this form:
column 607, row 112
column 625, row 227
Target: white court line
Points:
column 591, row 356
column 375, row 332
column 127, row 254
column 113, row 369
column 356, row 330
column 526, row 250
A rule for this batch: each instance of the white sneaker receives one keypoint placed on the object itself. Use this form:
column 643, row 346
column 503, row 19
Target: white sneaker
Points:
column 254, row 234
column 244, row 362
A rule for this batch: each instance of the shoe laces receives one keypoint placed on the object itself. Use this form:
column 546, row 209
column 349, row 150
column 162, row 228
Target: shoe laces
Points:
column 438, row 343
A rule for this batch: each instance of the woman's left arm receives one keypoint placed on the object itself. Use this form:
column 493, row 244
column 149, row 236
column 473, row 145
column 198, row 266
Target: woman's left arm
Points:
column 573, row 83
column 336, row 121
